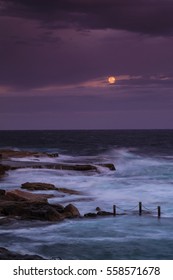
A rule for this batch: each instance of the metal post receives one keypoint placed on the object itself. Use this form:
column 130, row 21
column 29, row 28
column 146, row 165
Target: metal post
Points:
column 159, row 211
column 114, row 210
column 140, row 208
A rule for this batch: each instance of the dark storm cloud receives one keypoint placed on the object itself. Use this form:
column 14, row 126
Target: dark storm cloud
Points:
column 152, row 17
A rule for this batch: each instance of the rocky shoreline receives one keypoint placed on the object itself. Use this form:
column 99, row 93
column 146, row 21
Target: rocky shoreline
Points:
column 24, row 204
column 27, row 205
column 7, row 164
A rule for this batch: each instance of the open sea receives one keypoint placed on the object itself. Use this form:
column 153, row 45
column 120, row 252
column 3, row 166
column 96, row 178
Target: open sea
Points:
column 144, row 173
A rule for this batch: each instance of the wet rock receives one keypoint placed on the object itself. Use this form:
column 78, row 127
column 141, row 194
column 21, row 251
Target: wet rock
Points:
column 58, row 207
column 68, row 191
column 9, row 255
column 104, row 213
column 70, row 211
column 30, row 210
column 44, row 186
column 3, row 169
column 9, row 197
column 45, row 212
column 57, row 166
column 37, row 186
column 18, row 195
column 90, row 215
column 99, row 213
column 6, row 153
column 28, row 206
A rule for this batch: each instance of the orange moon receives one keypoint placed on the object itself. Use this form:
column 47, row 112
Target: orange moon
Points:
column 111, row 80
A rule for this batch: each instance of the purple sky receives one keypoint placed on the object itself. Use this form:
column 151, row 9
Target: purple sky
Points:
column 56, row 56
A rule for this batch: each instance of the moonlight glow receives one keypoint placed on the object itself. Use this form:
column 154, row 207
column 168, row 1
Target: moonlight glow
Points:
column 111, row 80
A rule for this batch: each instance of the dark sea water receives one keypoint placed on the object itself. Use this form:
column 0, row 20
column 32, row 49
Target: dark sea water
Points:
column 144, row 172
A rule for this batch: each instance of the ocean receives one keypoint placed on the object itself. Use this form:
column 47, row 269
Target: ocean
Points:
column 144, row 173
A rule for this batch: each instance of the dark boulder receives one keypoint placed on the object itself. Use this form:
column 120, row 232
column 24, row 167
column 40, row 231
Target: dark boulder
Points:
column 45, row 212
column 70, row 211
column 30, row 210
column 24, row 205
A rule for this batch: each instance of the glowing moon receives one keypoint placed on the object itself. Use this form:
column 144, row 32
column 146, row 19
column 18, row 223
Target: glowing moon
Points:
column 111, row 80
